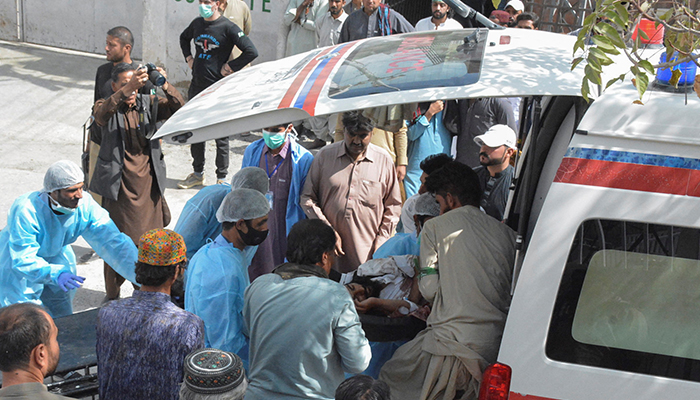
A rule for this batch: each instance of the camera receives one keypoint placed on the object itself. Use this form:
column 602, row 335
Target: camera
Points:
column 154, row 76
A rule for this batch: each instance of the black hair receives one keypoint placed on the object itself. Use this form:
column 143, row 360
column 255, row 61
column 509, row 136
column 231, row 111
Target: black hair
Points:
column 308, row 240
column 23, row 326
column 355, row 121
column 372, row 288
column 528, row 16
column 120, row 69
column 227, row 225
column 155, row 275
column 457, row 179
column 434, row 162
column 123, row 34
column 362, row 387
column 277, row 127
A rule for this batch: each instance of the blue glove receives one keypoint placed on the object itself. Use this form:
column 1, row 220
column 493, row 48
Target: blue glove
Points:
column 68, row 281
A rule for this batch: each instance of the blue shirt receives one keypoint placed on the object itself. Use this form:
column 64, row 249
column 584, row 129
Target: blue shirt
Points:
column 214, row 285
column 35, row 245
column 304, row 332
column 425, row 138
column 142, row 342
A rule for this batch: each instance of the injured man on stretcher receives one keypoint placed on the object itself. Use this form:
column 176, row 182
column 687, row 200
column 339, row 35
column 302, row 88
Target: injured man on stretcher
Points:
column 387, row 286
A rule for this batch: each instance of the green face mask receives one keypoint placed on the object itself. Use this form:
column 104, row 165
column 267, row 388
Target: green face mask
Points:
column 206, row 10
column 273, row 140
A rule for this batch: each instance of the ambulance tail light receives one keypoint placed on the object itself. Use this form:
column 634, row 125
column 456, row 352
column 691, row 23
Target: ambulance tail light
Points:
column 495, row 383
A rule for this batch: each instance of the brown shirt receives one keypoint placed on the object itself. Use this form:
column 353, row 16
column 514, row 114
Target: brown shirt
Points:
column 359, row 199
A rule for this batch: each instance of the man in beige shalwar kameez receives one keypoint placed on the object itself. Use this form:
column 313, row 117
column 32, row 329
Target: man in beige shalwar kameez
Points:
column 466, row 269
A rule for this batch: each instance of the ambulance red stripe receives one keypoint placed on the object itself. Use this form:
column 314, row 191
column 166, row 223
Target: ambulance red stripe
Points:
column 300, row 79
column 627, row 176
column 312, row 97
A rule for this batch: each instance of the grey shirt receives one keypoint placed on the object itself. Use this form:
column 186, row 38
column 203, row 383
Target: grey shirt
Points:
column 359, row 25
column 494, row 190
column 477, row 118
column 29, row 391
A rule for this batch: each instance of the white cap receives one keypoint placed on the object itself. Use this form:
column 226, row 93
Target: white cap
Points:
column 496, row 136
column 516, row 4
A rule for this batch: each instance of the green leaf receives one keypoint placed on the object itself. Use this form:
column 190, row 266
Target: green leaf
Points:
column 576, row 62
column 605, row 44
column 614, row 17
column 642, row 34
column 585, row 90
column 642, row 83
column 594, row 63
column 622, row 11
column 603, row 59
column 675, row 77
column 647, row 67
column 592, row 75
column 666, row 16
column 611, row 33
column 590, row 19
column 611, row 81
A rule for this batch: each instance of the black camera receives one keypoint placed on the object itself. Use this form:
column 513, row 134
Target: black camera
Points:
column 154, row 76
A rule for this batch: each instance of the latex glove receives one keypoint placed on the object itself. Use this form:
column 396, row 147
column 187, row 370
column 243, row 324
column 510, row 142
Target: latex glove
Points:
column 68, row 281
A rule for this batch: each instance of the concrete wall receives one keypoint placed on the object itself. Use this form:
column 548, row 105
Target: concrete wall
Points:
column 156, row 25
column 8, row 20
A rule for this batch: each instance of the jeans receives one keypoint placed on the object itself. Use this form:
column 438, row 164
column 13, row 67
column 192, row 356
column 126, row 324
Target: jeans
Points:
column 197, row 149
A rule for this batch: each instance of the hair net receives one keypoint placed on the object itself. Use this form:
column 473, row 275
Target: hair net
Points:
column 242, row 204
column 62, row 174
column 251, row 178
column 427, row 205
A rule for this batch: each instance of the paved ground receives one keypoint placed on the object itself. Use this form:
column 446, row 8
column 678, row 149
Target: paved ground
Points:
column 46, row 96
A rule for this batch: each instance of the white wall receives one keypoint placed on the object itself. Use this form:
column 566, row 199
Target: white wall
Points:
column 156, row 25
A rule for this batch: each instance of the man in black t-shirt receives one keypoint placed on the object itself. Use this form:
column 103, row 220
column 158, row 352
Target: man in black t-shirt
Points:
column 118, row 48
column 214, row 37
column 495, row 173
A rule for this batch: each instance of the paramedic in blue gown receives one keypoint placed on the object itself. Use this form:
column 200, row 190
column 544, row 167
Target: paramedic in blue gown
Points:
column 37, row 263
column 217, row 275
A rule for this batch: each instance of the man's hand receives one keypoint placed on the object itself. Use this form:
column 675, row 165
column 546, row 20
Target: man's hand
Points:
column 67, row 281
column 302, row 9
column 400, row 172
column 162, row 72
column 190, row 61
column 226, row 70
column 338, row 246
column 435, row 107
column 137, row 81
column 365, row 305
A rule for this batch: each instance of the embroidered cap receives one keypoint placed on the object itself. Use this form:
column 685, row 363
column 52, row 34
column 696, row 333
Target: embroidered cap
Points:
column 162, row 247
column 211, row 371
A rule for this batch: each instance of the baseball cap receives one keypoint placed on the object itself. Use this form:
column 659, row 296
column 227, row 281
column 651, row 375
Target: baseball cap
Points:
column 516, row 4
column 497, row 135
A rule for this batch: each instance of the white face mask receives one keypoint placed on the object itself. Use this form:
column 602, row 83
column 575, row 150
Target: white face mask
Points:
column 56, row 206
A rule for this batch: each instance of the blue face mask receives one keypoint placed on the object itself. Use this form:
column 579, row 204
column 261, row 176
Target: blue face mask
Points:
column 273, row 140
column 56, row 206
column 206, row 10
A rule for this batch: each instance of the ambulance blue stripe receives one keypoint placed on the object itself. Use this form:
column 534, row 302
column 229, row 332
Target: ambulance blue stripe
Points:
column 633, row 158
column 312, row 78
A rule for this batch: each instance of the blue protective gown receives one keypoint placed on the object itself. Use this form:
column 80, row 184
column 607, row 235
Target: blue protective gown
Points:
column 301, row 162
column 197, row 222
column 400, row 244
column 425, row 138
column 215, row 282
column 35, row 246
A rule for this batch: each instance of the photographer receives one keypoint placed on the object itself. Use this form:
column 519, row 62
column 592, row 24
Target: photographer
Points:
column 130, row 170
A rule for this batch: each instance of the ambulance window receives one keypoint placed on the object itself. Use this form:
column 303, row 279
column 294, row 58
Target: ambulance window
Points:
column 630, row 300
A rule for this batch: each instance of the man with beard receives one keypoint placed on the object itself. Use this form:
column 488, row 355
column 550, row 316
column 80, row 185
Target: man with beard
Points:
column 466, row 260
column 329, row 24
column 439, row 19
column 29, row 352
column 495, row 173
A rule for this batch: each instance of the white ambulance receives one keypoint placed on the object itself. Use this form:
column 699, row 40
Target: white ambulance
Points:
column 606, row 297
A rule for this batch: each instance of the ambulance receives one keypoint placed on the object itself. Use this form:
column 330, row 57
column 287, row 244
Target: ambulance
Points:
column 606, row 205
